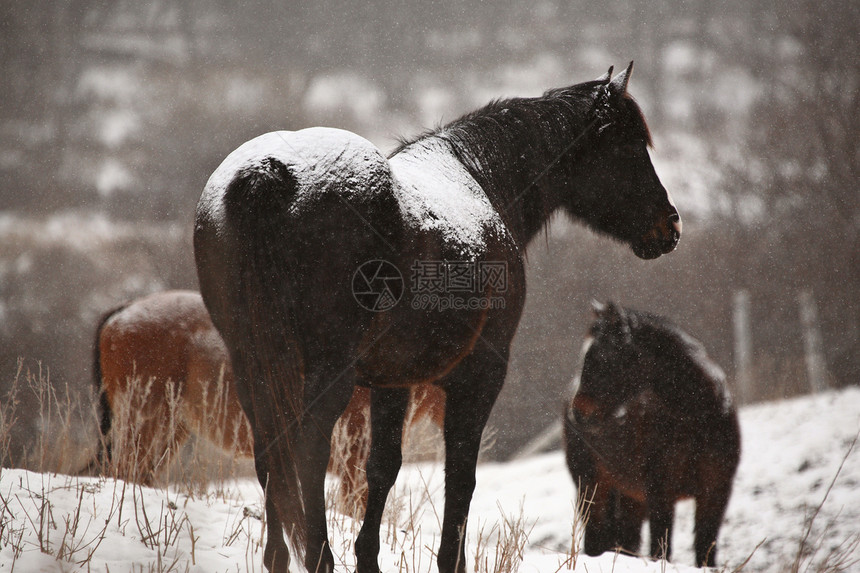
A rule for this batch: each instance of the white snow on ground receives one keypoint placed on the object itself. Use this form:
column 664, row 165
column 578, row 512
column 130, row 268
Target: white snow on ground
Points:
column 792, row 451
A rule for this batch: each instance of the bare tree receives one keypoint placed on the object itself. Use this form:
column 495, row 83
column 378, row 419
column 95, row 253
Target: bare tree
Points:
column 804, row 160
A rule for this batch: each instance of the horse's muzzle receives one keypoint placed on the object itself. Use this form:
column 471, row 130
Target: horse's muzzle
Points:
column 662, row 238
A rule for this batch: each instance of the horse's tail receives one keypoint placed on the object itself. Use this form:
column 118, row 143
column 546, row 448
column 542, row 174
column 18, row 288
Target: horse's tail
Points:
column 103, row 454
column 265, row 346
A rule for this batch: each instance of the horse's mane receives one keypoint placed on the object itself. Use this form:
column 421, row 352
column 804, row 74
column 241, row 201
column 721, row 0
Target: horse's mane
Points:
column 486, row 140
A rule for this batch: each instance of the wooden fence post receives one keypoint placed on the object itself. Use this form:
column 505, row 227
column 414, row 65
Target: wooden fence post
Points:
column 816, row 368
column 743, row 345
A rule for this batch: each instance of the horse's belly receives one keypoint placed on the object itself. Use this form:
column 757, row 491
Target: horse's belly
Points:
column 448, row 300
column 416, row 346
column 630, row 482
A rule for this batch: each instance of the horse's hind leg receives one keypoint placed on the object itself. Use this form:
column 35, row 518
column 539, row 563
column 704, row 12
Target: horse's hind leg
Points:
column 324, row 408
column 276, row 556
column 387, row 410
column 272, row 461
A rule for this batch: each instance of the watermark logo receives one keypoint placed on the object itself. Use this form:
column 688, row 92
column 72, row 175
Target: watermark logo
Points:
column 377, row 285
column 458, row 285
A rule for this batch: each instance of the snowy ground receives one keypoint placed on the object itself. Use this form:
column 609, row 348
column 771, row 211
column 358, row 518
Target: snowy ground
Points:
column 792, row 451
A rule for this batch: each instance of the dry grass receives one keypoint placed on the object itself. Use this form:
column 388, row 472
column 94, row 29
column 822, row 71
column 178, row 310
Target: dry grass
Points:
column 581, row 512
column 73, row 536
column 500, row 550
column 197, row 469
column 168, row 446
column 812, row 556
column 44, row 428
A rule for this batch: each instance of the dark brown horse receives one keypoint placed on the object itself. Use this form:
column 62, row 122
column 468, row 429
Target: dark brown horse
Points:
column 651, row 423
column 163, row 372
column 307, row 242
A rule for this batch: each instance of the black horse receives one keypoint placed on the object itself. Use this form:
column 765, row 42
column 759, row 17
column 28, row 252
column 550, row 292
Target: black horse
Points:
column 651, row 423
column 295, row 231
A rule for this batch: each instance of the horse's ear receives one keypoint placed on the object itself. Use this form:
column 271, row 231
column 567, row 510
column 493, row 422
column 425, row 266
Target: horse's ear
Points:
column 613, row 313
column 604, row 79
column 597, row 308
column 618, row 85
column 620, row 320
column 632, row 321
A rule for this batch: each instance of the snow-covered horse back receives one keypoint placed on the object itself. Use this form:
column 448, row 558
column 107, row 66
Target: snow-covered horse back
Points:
column 324, row 265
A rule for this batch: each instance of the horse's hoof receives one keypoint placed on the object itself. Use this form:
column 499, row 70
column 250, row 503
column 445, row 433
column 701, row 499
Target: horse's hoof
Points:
column 276, row 561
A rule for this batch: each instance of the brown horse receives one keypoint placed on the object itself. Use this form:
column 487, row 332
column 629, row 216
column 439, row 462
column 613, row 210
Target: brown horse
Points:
column 651, row 423
column 302, row 240
column 163, row 373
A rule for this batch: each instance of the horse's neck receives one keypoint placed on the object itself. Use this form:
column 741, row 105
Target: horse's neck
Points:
column 511, row 155
column 696, row 393
column 682, row 376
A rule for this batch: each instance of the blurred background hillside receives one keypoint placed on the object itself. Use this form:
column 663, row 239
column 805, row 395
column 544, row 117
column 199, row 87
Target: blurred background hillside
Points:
column 114, row 114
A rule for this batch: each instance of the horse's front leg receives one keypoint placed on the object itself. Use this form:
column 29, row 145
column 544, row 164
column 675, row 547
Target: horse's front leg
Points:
column 387, row 410
column 661, row 515
column 710, row 509
column 631, row 515
column 599, row 500
column 471, row 391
